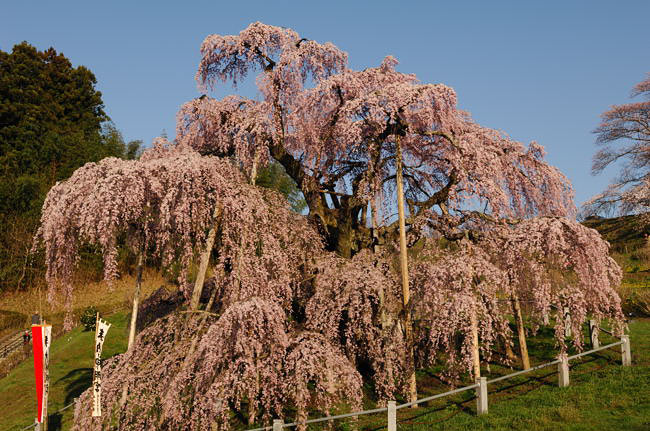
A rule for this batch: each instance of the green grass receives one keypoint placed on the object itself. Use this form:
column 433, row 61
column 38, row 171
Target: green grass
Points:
column 70, row 374
column 602, row 395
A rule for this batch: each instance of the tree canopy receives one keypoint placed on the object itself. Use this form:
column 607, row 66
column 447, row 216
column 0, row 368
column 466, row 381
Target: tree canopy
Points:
column 335, row 132
column 52, row 121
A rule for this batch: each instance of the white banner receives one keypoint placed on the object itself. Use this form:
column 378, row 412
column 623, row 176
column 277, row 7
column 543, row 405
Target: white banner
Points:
column 47, row 341
column 101, row 328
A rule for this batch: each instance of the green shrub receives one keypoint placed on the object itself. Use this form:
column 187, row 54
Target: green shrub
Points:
column 89, row 318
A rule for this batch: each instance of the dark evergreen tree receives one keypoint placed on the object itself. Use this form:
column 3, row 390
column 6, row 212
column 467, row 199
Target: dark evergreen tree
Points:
column 51, row 119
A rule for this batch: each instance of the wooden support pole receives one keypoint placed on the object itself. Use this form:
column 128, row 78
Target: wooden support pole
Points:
column 476, row 360
column 136, row 299
column 205, row 259
column 277, row 424
column 567, row 323
column 408, row 329
column 626, row 352
column 392, row 416
column 509, row 353
column 256, row 159
column 481, row 396
column 593, row 334
column 563, row 372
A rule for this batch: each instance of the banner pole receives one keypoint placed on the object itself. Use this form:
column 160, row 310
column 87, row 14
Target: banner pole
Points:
column 96, row 325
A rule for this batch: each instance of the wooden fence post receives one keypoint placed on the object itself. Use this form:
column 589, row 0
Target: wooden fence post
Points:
column 392, row 416
column 626, row 353
column 277, row 424
column 563, row 371
column 481, row 396
column 593, row 334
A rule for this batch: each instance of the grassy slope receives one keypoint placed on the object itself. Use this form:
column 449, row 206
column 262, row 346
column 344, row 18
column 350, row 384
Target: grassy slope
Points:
column 602, row 396
column 629, row 247
column 70, row 373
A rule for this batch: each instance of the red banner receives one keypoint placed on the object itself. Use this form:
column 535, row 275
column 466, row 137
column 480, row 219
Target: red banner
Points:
column 37, row 342
column 41, row 335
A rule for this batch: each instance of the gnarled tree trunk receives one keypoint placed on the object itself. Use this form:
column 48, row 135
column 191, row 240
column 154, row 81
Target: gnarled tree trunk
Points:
column 523, row 348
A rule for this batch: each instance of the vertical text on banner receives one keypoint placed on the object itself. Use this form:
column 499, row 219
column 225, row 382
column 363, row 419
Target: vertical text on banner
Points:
column 101, row 328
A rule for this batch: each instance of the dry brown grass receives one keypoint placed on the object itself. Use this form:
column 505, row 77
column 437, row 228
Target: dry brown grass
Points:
column 105, row 298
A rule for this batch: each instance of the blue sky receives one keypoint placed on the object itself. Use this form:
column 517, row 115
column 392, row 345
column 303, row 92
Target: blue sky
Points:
column 539, row 71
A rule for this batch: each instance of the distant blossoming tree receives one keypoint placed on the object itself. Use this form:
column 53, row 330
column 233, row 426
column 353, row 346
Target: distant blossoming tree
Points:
column 624, row 136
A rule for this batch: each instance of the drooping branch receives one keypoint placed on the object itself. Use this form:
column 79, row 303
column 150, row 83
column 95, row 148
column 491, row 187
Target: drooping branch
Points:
column 624, row 137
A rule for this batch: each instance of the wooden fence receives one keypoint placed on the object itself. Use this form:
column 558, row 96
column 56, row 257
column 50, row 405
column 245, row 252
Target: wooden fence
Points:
column 481, row 387
column 12, row 345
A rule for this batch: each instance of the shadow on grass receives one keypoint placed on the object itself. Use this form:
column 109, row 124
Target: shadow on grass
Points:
column 78, row 380
column 525, row 384
column 54, row 422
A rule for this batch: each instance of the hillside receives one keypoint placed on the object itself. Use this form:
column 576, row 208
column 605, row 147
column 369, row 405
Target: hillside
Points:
column 625, row 232
column 630, row 247
column 70, row 374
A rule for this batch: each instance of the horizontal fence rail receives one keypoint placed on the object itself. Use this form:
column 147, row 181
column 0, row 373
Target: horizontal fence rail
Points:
column 433, row 397
column 11, row 347
column 529, row 370
column 618, row 343
column 36, row 425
